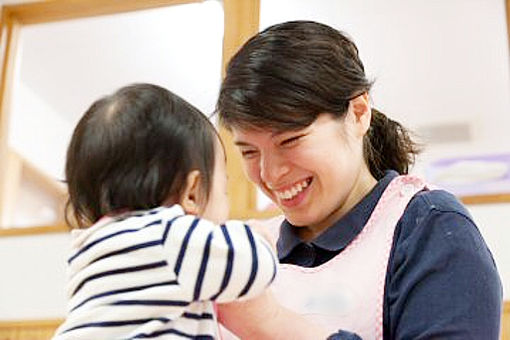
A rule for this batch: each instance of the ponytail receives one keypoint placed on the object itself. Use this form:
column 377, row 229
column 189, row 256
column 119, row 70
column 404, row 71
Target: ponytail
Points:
column 388, row 146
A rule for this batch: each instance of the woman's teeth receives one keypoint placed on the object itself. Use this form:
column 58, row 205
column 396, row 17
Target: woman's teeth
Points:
column 292, row 192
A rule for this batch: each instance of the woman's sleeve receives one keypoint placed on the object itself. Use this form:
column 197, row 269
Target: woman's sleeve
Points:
column 442, row 281
column 222, row 263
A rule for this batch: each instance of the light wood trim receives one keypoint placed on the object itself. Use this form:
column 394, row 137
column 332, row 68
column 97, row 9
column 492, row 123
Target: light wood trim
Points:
column 10, row 28
column 30, row 323
column 241, row 22
column 505, row 321
column 486, row 199
column 28, row 330
column 508, row 20
column 26, row 231
column 12, row 178
column 56, row 10
column 44, row 329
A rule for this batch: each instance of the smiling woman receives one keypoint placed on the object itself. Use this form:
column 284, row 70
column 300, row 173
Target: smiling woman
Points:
column 363, row 230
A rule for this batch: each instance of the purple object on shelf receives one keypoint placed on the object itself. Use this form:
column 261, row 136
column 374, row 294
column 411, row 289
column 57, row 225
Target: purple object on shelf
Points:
column 471, row 175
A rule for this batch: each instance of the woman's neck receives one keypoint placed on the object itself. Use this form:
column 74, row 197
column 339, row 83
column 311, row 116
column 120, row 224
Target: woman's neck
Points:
column 364, row 184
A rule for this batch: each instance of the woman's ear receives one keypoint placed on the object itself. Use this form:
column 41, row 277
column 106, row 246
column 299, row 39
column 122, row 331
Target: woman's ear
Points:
column 191, row 195
column 362, row 113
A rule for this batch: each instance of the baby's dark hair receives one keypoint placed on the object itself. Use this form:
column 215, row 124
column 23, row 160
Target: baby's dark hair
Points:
column 284, row 77
column 132, row 150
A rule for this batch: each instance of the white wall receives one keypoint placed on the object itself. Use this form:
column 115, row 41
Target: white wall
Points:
column 33, row 276
column 493, row 220
column 37, row 132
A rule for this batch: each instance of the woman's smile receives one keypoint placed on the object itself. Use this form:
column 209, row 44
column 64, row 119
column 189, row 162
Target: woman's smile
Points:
column 291, row 196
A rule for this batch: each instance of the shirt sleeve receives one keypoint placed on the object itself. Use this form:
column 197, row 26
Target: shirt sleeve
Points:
column 222, row 263
column 442, row 281
column 344, row 335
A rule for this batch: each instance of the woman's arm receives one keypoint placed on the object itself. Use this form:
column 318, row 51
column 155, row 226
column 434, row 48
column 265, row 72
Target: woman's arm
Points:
column 263, row 318
column 442, row 282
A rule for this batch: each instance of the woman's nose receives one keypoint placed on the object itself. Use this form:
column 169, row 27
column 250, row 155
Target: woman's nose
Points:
column 272, row 169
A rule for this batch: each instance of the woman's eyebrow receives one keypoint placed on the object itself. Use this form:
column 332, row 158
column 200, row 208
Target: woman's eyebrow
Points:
column 241, row 143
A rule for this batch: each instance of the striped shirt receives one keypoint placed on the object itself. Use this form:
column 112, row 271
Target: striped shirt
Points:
column 156, row 273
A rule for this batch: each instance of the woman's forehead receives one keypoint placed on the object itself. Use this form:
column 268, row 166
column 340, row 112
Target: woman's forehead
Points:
column 241, row 134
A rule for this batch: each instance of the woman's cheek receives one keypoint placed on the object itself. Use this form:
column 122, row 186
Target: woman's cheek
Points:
column 251, row 170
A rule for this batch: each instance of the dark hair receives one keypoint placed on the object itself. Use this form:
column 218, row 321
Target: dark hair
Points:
column 284, row 77
column 133, row 149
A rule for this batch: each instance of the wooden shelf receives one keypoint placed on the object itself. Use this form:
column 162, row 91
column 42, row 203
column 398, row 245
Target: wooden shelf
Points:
column 25, row 231
column 486, row 199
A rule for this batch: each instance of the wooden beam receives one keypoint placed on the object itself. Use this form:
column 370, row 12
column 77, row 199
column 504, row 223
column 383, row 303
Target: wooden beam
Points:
column 486, row 199
column 10, row 28
column 44, row 329
column 57, row 10
column 28, row 329
column 25, row 231
column 12, row 179
column 508, row 20
column 505, row 322
column 241, row 22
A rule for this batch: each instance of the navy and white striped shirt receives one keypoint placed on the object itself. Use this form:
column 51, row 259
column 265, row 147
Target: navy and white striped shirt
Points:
column 156, row 273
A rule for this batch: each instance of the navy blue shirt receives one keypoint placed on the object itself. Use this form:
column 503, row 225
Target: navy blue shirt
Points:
column 441, row 281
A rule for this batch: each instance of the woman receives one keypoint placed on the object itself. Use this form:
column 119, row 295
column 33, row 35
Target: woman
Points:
column 366, row 250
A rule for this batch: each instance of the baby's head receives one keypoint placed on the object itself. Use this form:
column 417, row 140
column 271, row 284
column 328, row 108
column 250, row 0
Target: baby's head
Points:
column 144, row 147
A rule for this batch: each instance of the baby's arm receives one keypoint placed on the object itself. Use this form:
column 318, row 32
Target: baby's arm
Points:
column 221, row 263
column 263, row 317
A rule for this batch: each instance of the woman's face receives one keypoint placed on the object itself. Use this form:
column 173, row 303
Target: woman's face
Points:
column 315, row 175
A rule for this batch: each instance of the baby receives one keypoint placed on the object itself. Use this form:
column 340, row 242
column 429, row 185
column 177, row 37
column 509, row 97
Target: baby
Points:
column 151, row 253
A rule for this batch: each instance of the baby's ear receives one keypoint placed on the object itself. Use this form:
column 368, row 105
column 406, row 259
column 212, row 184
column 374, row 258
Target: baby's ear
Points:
column 191, row 195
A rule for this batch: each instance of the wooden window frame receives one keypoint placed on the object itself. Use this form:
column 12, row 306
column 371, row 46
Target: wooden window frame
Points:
column 241, row 20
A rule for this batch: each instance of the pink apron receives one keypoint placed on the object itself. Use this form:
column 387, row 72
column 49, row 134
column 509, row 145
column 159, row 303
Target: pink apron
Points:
column 347, row 291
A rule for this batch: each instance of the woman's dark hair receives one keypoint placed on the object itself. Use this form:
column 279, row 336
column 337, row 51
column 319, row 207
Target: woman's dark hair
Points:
column 284, row 77
column 133, row 149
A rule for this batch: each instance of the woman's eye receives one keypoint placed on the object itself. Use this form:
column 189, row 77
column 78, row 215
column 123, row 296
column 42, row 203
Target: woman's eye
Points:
column 248, row 153
column 291, row 140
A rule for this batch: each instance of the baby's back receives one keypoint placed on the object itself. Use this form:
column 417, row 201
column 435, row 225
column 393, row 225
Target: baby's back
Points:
column 156, row 273
column 122, row 283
